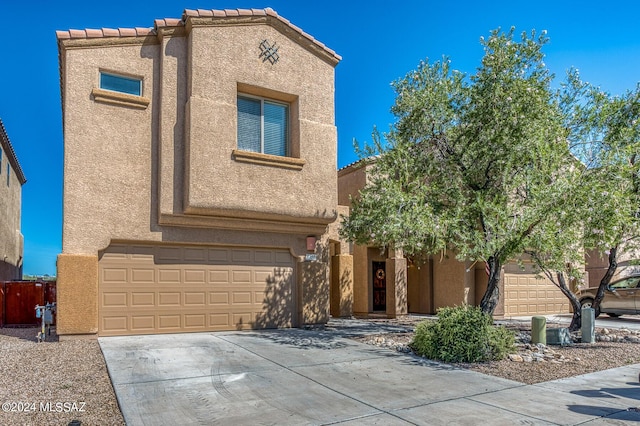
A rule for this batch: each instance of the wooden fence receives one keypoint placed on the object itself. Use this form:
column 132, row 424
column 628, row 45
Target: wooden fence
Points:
column 18, row 300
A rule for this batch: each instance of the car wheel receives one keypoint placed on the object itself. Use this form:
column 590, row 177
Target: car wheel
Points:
column 613, row 315
column 588, row 303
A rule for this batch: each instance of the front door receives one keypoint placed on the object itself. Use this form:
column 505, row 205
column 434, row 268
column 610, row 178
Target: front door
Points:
column 379, row 287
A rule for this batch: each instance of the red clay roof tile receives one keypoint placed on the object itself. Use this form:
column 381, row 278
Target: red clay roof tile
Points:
column 93, row 33
column 127, row 32
column 204, row 13
column 110, row 32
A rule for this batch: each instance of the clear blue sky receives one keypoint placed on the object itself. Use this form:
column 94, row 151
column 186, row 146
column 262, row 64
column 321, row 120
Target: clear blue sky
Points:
column 379, row 41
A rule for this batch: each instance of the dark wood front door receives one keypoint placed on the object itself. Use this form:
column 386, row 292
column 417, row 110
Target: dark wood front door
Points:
column 379, row 287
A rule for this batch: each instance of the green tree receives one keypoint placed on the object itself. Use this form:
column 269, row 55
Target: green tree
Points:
column 474, row 164
column 605, row 135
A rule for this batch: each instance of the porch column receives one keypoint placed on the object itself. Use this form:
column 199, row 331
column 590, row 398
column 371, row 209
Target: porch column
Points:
column 396, row 271
column 341, row 285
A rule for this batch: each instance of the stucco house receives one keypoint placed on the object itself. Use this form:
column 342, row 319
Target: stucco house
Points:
column 11, row 239
column 199, row 175
column 384, row 282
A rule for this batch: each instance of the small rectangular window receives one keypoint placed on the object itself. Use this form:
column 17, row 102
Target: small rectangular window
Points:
column 263, row 126
column 119, row 83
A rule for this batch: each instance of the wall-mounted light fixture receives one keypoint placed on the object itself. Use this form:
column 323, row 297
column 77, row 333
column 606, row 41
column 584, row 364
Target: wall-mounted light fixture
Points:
column 311, row 243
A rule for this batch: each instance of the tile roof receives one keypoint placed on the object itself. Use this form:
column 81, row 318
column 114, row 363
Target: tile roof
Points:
column 189, row 13
column 5, row 143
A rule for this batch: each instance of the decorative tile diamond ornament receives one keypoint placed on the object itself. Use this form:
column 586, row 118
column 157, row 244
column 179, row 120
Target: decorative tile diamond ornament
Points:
column 269, row 51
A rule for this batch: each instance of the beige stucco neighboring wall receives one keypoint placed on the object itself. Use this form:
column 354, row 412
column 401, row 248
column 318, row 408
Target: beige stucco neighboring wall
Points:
column 351, row 180
column 11, row 239
column 453, row 281
column 420, row 288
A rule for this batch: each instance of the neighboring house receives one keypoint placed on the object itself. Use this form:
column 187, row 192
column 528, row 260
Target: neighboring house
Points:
column 199, row 175
column 387, row 283
column 11, row 239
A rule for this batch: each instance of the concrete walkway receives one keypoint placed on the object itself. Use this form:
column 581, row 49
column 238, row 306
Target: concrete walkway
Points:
column 296, row 377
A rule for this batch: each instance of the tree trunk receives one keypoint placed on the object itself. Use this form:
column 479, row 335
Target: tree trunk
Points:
column 492, row 294
column 604, row 282
column 576, row 320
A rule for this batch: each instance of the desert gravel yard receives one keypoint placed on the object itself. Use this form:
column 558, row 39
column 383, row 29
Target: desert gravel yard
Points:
column 54, row 383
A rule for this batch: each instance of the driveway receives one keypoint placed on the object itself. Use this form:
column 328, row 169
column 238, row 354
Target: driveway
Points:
column 321, row 377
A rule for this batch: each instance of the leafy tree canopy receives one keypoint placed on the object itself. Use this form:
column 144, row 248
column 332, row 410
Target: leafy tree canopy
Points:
column 474, row 163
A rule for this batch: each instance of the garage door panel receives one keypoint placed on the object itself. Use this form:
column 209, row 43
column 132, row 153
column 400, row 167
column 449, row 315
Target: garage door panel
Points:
column 194, row 298
column 114, row 275
column 167, row 298
column 240, row 256
column 197, row 255
column 194, row 276
column 169, row 276
column 219, row 298
column 114, row 299
column 166, row 289
column 142, row 275
column 142, row 299
column 219, row 276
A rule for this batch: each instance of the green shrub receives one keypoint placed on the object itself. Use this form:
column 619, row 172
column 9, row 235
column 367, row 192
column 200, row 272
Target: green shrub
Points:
column 462, row 334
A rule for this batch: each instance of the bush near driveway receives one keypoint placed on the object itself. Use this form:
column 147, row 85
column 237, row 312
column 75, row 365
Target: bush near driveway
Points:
column 462, row 334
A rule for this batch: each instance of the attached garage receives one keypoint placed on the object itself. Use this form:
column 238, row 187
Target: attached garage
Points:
column 169, row 289
column 525, row 294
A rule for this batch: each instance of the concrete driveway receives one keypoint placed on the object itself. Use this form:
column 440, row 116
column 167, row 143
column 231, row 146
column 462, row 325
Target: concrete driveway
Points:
column 321, row 377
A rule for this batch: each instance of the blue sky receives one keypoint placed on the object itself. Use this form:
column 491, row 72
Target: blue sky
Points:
column 379, row 42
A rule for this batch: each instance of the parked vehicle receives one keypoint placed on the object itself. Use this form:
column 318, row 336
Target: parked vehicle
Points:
column 621, row 297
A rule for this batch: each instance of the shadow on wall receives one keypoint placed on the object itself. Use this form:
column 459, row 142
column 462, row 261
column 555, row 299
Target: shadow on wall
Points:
column 291, row 302
column 278, row 305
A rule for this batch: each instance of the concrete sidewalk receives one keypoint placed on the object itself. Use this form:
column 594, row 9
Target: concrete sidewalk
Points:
column 321, row 377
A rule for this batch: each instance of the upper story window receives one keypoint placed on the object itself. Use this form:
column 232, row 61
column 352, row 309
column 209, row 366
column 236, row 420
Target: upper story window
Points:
column 263, row 126
column 122, row 84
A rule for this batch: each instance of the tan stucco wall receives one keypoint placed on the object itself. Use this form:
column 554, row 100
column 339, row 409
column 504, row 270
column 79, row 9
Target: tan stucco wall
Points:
column 223, row 62
column 77, row 294
column 187, row 135
column 11, row 239
column 351, row 180
column 453, row 284
column 419, row 288
column 314, row 292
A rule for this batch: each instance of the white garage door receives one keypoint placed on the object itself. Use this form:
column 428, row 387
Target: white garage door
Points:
column 169, row 289
column 527, row 295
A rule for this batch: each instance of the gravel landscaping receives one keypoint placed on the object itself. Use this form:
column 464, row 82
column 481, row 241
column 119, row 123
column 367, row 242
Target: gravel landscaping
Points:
column 56, row 382
column 53, row 382
column 539, row 363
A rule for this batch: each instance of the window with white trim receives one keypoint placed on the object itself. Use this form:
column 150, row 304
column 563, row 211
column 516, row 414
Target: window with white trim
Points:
column 120, row 83
column 263, row 126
